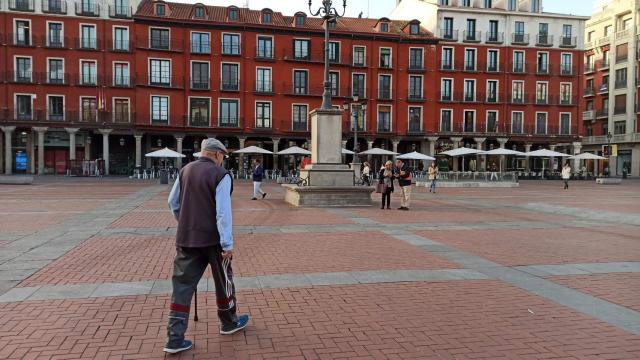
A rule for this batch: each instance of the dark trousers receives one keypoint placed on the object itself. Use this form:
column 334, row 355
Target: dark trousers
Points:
column 365, row 180
column 386, row 196
column 188, row 267
column 566, row 184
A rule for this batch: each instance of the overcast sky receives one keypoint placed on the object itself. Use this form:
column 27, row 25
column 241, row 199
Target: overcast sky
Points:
column 379, row 8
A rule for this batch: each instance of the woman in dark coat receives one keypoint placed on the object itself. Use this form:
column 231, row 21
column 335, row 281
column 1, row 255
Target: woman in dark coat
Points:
column 386, row 178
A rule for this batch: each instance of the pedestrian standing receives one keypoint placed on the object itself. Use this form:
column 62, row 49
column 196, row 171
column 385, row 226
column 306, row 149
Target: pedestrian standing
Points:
column 433, row 176
column 366, row 170
column 566, row 175
column 201, row 202
column 494, row 171
column 258, row 174
column 386, row 179
column 403, row 174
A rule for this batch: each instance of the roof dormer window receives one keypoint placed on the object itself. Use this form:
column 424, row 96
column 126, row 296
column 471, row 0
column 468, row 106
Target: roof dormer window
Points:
column 160, row 10
column 266, row 16
column 384, row 27
column 233, row 14
column 414, row 28
column 300, row 19
column 332, row 24
column 198, row 12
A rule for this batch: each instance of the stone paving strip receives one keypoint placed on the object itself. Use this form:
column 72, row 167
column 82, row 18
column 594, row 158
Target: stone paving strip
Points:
column 281, row 281
column 371, row 226
column 524, row 278
column 26, row 255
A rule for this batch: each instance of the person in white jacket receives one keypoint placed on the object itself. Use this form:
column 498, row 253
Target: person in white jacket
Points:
column 566, row 175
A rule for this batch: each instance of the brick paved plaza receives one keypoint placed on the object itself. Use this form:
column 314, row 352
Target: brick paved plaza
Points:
column 527, row 273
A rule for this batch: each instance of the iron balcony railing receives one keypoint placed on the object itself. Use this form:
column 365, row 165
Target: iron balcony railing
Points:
column 201, row 47
column 21, row 5
column 494, row 37
column 88, row 43
column 519, row 39
column 544, row 40
column 121, row 45
column 54, row 6
column 120, row 11
column 230, row 49
column 122, row 81
column 230, row 86
column 589, row 91
column 300, row 126
column 568, row 41
column 200, row 83
column 384, row 94
column 471, row 36
column 87, row 8
column 449, row 34
column 161, row 43
column 264, row 53
column 264, row 87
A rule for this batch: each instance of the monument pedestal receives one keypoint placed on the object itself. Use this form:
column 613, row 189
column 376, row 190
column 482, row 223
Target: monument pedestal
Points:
column 326, row 181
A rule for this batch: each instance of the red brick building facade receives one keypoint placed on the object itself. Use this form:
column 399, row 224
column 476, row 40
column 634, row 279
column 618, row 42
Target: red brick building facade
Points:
column 184, row 72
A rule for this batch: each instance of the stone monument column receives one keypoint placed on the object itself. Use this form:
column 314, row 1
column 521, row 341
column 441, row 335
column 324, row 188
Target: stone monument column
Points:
column 527, row 148
column 577, row 147
column 138, row 138
column 344, row 146
column 41, row 132
column 276, row 144
column 72, row 142
column 178, row 161
column 456, row 144
column 481, row 159
column 8, row 152
column 105, row 148
column 432, row 145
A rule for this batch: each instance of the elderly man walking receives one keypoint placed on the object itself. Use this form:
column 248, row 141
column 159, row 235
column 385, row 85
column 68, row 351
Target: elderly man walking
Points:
column 201, row 202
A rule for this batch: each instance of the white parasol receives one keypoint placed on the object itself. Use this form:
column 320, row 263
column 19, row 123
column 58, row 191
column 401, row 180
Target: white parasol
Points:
column 378, row 151
column 461, row 152
column 252, row 150
column 294, row 150
column 165, row 153
column 415, row 156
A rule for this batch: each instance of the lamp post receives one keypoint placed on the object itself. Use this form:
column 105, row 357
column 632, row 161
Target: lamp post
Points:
column 329, row 14
column 609, row 151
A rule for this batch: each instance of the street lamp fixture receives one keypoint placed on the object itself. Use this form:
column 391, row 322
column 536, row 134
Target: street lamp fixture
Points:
column 329, row 14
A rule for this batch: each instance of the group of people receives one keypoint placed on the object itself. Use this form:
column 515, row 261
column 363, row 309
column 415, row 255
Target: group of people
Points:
column 402, row 174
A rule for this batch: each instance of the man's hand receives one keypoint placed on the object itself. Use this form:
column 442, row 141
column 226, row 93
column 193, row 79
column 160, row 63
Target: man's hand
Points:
column 227, row 254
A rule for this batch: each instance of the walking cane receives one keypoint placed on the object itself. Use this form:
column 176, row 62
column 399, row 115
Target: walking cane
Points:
column 195, row 315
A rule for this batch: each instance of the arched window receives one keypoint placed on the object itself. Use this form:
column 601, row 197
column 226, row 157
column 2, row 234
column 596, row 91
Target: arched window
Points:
column 160, row 10
column 233, row 13
column 300, row 18
column 198, row 12
column 266, row 16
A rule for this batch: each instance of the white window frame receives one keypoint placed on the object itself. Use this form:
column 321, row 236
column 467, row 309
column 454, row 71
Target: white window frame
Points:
column 159, row 28
column 570, row 92
column 113, row 37
column 475, row 119
column 422, row 57
column 486, row 120
column 390, row 56
column 151, row 96
column 339, row 51
column 239, row 73
column 546, row 123
column 390, row 116
column 273, row 44
column 475, row 58
column 61, row 32
column 450, row 119
column 562, row 54
column 63, row 69
column 191, row 42
column 237, row 99
column 270, row 77
column 81, row 39
column 521, row 119
column 512, row 88
column 497, row 59
column 497, row 91
column 421, row 84
column 292, row 115
column 453, row 57
column 113, row 72
column 64, row 106
column 191, row 72
column 560, row 122
column 80, row 112
column 222, row 43
column 409, row 116
column 339, row 78
column 524, row 60
column 547, row 92
column 80, row 61
column 113, row 107
column 161, row 59
column 15, row 30
column 255, row 114
column 390, row 84
column 189, row 109
column 365, row 83
column 352, row 119
column 464, row 90
column 293, row 81
column 452, row 87
column 353, row 51
column 15, row 104
column 15, row 66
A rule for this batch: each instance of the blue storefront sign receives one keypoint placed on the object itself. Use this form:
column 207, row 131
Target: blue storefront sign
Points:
column 21, row 161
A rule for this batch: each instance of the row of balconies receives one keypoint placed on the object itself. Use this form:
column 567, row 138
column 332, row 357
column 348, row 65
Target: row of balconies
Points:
column 82, row 8
column 78, row 43
column 539, row 69
column 498, row 38
column 495, row 98
column 383, row 127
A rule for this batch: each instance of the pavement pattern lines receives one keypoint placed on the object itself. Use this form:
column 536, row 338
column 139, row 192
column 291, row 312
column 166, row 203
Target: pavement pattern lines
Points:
column 574, row 296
